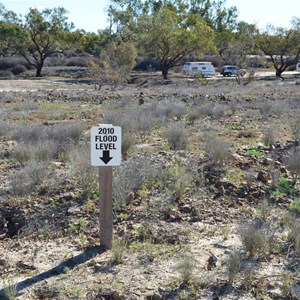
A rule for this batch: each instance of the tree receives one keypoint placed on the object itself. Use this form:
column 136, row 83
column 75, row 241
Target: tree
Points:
column 170, row 38
column 281, row 45
column 39, row 35
column 242, row 44
column 221, row 19
column 115, row 64
column 7, row 29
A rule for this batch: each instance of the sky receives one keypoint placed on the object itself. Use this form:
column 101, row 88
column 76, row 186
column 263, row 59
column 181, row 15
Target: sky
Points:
column 263, row 12
column 90, row 14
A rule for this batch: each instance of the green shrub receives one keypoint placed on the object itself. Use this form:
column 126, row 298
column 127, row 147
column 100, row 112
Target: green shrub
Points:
column 285, row 186
column 254, row 152
column 118, row 250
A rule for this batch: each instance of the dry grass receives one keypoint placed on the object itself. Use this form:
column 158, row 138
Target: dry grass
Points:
column 166, row 203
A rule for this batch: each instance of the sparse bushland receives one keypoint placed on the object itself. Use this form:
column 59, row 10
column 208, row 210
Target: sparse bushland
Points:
column 133, row 119
column 244, row 79
column 163, row 200
column 213, row 110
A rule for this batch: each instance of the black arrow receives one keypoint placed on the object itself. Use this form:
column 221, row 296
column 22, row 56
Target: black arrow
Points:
column 105, row 157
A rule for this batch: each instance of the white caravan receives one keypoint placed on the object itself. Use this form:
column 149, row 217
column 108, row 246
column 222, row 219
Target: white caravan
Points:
column 199, row 67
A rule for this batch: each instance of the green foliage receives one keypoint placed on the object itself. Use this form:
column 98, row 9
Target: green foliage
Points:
column 254, row 152
column 142, row 231
column 180, row 178
column 281, row 45
column 118, row 249
column 115, row 65
column 285, row 186
column 295, row 206
column 165, row 37
column 39, row 35
column 46, row 231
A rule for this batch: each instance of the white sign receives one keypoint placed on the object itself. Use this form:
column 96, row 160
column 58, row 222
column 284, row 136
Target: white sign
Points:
column 106, row 145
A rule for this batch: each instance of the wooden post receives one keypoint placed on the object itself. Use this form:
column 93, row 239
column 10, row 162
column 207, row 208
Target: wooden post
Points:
column 105, row 206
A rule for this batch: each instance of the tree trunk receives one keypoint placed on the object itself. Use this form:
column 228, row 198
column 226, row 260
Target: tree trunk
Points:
column 39, row 66
column 165, row 71
column 39, row 70
column 279, row 72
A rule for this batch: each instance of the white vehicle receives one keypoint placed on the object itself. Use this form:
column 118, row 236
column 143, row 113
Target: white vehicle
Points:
column 298, row 67
column 199, row 68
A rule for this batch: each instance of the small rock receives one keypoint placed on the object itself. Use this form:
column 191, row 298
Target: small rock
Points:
column 186, row 208
column 283, row 170
column 267, row 161
column 67, row 196
column 263, row 177
column 3, row 263
column 74, row 210
column 212, row 262
column 22, row 266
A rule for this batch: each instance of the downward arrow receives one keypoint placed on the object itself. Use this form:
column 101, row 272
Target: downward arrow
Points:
column 105, row 157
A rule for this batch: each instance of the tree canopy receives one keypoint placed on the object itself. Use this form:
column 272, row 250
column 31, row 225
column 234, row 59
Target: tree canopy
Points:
column 38, row 35
column 170, row 38
column 281, row 45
